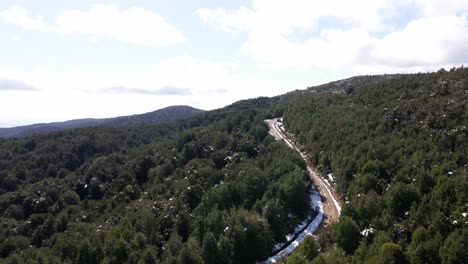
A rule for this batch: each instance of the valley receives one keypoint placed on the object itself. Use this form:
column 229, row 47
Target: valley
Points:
column 234, row 185
column 234, row 132
column 329, row 208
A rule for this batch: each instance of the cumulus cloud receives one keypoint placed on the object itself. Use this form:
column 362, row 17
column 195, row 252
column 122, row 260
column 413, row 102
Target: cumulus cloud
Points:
column 134, row 25
column 13, row 85
column 364, row 33
column 16, row 15
column 288, row 17
column 238, row 20
column 425, row 41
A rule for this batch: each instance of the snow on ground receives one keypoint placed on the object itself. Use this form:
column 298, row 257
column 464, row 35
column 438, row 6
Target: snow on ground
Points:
column 315, row 202
column 279, row 128
column 330, row 176
column 337, row 205
column 367, row 231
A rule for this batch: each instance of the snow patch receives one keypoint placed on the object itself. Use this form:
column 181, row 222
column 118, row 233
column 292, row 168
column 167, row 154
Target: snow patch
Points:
column 314, row 202
column 367, row 231
column 278, row 132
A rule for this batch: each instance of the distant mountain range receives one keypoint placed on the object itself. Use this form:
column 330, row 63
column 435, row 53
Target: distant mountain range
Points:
column 167, row 114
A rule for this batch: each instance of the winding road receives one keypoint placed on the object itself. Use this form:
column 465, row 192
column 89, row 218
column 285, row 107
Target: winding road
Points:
column 329, row 197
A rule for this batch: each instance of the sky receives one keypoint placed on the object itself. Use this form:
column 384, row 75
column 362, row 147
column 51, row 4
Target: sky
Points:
column 62, row 60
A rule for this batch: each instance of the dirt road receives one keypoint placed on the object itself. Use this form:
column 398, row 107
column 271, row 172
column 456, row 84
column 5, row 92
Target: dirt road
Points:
column 331, row 205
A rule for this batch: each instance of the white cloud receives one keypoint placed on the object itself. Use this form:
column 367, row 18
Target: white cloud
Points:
column 442, row 7
column 82, row 92
column 134, row 25
column 426, row 41
column 239, row 20
column 13, row 85
column 287, row 17
column 16, row 15
column 362, row 34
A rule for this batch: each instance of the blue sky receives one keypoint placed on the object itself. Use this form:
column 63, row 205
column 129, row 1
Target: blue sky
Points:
column 63, row 60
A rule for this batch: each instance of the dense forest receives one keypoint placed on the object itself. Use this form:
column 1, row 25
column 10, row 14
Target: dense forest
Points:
column 216, row 188
column 222, row 192
column 398, row 150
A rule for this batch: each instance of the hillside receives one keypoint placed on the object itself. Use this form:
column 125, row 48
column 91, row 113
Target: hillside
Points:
column 165, row 187
column 397, row 150
column 216, row 188
column 167, row 114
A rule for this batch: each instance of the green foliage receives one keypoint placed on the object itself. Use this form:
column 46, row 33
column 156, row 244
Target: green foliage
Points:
column 216, row 188
column 306, row 251
column 391, row 253
column 454, row 248
column 397, row 146
column 87, row 253
column 333, row 256
column 210, row 249
column 346, row 234
column 168, row 193
column 423, row 248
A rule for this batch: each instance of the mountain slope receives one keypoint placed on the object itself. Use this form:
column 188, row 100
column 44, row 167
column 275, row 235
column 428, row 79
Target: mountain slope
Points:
column 167, row 114
column 188, row 181
column 216, row 188
column 397, row 151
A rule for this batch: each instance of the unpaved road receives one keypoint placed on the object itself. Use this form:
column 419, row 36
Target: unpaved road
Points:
column 331, row 205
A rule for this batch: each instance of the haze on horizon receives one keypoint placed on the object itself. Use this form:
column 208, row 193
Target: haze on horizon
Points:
column 65, row 60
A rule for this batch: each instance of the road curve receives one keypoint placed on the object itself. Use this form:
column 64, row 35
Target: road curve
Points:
column 330, row 201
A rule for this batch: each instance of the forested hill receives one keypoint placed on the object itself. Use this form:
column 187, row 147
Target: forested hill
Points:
column 167, row 114
column 216, row 188
column 398, row 151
